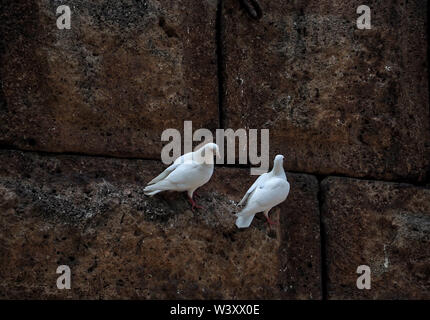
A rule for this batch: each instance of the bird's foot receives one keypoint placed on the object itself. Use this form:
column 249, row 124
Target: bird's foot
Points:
column 194, row 204
column 271, row 222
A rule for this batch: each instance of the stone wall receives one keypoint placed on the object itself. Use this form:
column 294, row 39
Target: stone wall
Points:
column 81, row 117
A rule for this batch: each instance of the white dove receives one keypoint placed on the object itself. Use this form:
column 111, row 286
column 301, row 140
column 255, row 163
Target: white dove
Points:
column 187, row 173
column 269, row 190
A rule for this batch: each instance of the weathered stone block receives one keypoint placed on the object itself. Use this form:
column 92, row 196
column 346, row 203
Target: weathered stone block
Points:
column 385, row 226
column 337, row 100
column 123, row 73
column 90, row 213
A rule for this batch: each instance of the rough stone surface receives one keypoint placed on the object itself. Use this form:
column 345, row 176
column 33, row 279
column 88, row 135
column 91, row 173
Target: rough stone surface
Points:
column 300, row 252
column 383, row 225
column 90, row 213
column 337, row 100
column 124, row 72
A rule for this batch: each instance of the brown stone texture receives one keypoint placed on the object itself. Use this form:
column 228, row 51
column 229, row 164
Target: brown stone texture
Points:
column 110, row 85
column 300, row 250
column 90, row 213
column 337, row 100
column 385, row 226
column 81, row 116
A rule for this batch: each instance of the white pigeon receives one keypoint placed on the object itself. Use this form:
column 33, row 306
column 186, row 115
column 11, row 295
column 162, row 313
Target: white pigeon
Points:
column 269, row 190
column 187, row 173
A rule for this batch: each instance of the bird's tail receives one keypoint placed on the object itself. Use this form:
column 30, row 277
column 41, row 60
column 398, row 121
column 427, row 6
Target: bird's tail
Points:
column 244, row 219
column 160, row 177
column 152, row 189
column 148, row 193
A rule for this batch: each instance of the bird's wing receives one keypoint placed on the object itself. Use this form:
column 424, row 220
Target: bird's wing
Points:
column 252, row 188
column 186, row 175
column 184, row 158
column 164, row 174
column 180, row 160
column 269, row 194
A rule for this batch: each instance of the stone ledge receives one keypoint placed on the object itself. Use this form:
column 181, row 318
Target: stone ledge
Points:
column 90, row 214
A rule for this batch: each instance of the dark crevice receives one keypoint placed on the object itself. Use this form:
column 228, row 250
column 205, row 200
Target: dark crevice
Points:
column 413, row 182
column 10, row 147
column 323, row 241
column 3, row 104
column 220, row 61
column 427, row 179
column 252, row 7
column 7, row 147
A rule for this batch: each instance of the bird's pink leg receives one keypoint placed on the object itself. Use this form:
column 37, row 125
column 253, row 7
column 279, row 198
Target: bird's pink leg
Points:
column 269, row 221
column 194, row 204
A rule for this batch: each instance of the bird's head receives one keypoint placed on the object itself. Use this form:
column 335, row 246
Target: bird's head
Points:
column 279, row 158
column 213, row 147
column 208, row 151
column 278, row 164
